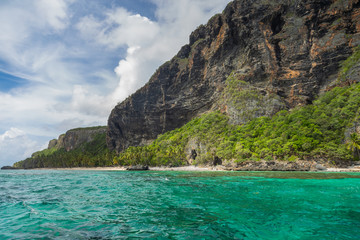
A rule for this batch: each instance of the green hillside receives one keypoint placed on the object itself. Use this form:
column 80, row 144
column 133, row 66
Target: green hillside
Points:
column 90, row 154
column 312, row 132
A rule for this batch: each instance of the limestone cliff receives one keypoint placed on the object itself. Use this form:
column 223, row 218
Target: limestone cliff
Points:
column 75, row 137
column 81, row 147
column 286, row 52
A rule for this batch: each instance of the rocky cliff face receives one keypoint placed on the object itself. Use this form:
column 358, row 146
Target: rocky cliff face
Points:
column 75, row 137
column 284, row 52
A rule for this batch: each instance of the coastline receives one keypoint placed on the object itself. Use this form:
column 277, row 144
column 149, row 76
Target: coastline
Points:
column 122, row 168
column 190, row 169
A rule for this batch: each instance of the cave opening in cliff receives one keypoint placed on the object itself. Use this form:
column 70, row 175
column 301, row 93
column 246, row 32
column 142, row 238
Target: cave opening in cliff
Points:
column 277, row 24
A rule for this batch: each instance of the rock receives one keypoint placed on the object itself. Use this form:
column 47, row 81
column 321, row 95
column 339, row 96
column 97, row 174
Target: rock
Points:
column 272, row 166
column 320, row 167
column 217, row 161
column 52, row 143
column 286, row 51
column 8, row 168
column 356, row 163
column 75, row 137
column 196, row 151
column 138, row 168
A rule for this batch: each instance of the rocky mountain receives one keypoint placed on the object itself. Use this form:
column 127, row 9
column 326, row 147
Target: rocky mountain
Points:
column 73, row 138
column 81, row 147
column 280, row 53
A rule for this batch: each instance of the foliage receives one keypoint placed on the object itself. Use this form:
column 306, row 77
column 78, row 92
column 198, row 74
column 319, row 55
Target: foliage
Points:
column 90, row 154
column 349, row 63
column 313, row 131
column 169, row 149
column 245, row 101
column 89, row 128
column 354, row 144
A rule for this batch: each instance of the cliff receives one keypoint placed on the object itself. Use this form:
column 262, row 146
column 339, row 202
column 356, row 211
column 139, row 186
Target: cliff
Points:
column 280, row 54
column 81, row 147
column 73, row 138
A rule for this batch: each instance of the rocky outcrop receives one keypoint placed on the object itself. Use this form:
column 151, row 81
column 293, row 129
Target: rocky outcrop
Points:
column 298, row 165
column 75, row 137
column 138, row 168
column 275, row 166
column 8, row 168
column 288, row 51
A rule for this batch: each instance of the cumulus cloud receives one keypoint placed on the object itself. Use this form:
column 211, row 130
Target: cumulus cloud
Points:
column 119, row 28
column 149, row 43
column 15, row 145
column 22, row 22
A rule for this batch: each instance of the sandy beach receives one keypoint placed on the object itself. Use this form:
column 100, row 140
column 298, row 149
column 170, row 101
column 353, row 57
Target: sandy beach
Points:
column 122, row 168
column 184, row 168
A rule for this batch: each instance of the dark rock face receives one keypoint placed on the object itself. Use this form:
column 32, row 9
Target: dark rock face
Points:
column 138, row 168
column 288, row 49
column 8, row 168
column 275, row 166
column 298, row 165
column 75, row 137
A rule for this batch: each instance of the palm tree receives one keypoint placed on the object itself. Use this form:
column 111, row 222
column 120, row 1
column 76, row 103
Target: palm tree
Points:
column 354, row 144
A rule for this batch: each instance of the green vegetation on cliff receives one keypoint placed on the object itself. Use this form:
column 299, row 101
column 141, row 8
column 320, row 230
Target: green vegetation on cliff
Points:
column 315, row 131
column 349, row 64
column 89, row 154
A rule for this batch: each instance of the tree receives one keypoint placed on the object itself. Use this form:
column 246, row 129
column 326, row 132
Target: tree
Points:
column 354, row 145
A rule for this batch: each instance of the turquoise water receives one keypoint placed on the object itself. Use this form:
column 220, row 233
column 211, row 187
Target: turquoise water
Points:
column 178, row 205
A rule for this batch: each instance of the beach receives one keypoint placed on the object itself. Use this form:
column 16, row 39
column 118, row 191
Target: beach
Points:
column 183, row 168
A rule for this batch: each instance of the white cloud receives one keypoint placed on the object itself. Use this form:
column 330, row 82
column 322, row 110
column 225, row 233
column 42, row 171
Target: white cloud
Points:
column 54, row 12
column 119, row 28
column 149, row 43
column 23, row 22
column 15, row 145
column 12, row 133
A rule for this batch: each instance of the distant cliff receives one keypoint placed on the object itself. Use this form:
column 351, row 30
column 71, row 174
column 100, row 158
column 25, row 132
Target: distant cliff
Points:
column 81, row 147
column 73, row 138
column 283, row 54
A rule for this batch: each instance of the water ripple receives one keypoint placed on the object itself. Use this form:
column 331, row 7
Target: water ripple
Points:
column 178, row 205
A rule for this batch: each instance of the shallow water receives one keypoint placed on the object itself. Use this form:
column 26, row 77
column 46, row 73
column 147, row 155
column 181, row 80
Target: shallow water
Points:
column 178, row 205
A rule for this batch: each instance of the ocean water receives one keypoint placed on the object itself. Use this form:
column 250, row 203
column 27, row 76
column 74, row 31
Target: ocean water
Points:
column 178, row 205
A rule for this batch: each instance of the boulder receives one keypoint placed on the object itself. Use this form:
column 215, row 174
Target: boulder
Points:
column 138, row 168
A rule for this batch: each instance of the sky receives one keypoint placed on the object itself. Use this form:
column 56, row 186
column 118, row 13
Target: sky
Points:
column 66, row 63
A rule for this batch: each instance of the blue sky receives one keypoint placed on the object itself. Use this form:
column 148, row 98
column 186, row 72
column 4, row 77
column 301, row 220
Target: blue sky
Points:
column 66, row 63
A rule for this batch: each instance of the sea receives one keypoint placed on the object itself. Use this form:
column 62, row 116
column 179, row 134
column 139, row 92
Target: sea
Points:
column 51, row 204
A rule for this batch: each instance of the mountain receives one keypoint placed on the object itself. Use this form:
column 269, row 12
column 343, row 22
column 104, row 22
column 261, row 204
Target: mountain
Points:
column 266, row 85
column 256, row 58
column 73, row 138
column 81, row 147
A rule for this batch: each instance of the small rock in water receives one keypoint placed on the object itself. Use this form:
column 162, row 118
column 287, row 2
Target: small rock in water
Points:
column 138, row 168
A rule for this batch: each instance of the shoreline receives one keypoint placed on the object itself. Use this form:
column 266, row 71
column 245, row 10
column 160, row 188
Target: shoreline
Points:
column 189, row 169
column 121, row 168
